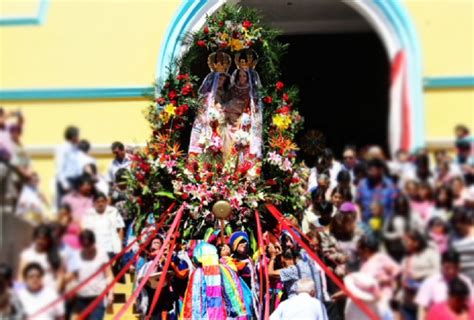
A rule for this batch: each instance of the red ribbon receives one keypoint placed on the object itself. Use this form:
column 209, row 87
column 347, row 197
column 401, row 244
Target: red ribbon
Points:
column 279, row 216
column 263, row 264
column 79, row 286
column 137, row 291
column 163, row 277
column 122, row 272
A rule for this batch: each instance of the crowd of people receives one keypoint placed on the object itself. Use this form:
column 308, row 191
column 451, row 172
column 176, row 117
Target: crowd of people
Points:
column 399, row 234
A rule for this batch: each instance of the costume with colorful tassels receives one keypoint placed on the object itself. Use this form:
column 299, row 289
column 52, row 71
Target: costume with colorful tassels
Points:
column 214, row 291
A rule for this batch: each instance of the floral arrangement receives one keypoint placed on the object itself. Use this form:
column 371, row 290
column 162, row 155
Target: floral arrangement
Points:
column 163, row 172
column 228, row 34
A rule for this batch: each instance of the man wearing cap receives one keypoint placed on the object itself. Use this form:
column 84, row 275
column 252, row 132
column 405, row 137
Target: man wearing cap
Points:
column 301, row 306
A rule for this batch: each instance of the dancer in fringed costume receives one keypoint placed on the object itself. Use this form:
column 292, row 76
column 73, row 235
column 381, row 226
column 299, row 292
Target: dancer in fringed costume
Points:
column 214, row 290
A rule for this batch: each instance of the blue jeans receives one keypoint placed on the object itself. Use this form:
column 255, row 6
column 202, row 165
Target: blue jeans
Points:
column 83, row 302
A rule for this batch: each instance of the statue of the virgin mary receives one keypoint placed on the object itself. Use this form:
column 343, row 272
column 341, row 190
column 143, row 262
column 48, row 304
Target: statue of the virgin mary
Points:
column 243, row 113
column 230, row 122
column 214, row 93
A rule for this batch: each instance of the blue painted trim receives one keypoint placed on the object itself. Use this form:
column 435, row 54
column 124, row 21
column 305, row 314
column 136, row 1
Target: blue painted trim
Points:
column 75, row 93
column 398, row 17
column 188, row 10
column 416, row 74
column 28, row 21
column 171, row 38
column 449, row 82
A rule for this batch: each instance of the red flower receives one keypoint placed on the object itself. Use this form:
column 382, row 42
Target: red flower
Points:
column 284, row 110
column 285, row 97
column 145, row 166
column 182, row 109
column 139, row 201
column 206, row 30
column 268, row 99
column 173, row 102
column 187, row 89
column 140, row 176
column 224, row 45
column 185, row 196
column 279, row 85
column 177, row 125
column 245, row 167
column 271, row 182
column 250, row 43
column 221, row 23
column 183, row 76
column 201, row 43
column 172, row 94
column 295, row 180
column 161, row 101
column 247, row 24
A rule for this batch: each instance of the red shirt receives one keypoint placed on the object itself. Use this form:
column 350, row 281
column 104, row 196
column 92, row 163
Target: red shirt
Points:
column 442, row 311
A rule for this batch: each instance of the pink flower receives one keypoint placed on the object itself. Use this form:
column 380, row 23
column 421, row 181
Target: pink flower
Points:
column 274, row 158
column 170, row 165
column 286, row 165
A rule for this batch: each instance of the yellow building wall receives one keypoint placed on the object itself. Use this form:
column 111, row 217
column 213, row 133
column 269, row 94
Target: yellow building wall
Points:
column 116, row 43
column 82, row 44
column 446, row 32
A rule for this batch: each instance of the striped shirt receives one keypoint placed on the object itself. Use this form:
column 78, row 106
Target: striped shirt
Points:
column 465, row 247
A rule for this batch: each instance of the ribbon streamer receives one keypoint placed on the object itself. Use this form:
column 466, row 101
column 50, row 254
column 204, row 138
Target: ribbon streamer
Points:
column 284, row 222
column 122, row 272
column 137, row 291
column 264, row 265
column 162, row 278
column 80, row 285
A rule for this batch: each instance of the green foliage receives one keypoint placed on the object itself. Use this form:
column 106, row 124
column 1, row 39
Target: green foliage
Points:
column 163, row 173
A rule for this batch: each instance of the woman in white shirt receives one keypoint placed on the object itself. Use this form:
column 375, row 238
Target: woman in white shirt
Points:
column 35, row 295
column 92, row 258
column 44, row 252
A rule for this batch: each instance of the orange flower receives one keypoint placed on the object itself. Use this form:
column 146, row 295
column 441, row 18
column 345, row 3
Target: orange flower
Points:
column 283, row 144
column 175, row 150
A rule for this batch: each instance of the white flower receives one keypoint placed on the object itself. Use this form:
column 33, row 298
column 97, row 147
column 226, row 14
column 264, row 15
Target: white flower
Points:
column 177, row 185
column 242, row 138
column 245, row 119
column 213, row 114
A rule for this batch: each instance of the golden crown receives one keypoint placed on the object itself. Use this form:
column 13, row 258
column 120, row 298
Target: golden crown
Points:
column 246, row 59
column 219, row 61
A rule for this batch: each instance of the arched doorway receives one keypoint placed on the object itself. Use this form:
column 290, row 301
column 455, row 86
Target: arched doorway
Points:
column 338, row 62
column 387, row 19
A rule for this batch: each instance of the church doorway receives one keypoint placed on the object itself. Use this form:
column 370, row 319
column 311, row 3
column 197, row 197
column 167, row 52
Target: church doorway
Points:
column 340, row 66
